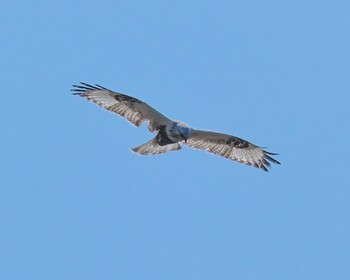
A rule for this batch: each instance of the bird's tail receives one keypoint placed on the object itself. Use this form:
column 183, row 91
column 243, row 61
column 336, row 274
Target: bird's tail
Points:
column 153, row 148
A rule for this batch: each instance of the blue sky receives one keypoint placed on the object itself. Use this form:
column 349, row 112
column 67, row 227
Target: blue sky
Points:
column 76, row 203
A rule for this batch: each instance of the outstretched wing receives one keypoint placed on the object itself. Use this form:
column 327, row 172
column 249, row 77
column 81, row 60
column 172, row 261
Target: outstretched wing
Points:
column 135, row 110
column 231, row 147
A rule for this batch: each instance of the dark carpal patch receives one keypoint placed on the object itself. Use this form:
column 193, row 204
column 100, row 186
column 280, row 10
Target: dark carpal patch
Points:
column 237, row 142
column 162, row 137
column 123, row 97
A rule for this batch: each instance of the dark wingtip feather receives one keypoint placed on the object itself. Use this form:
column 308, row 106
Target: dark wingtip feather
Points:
column 263, row 167
column 101, row 87
column 266, row 156
column 85, row 87
column 266, row 161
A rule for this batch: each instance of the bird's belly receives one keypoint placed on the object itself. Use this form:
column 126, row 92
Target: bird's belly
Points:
column 166, row 137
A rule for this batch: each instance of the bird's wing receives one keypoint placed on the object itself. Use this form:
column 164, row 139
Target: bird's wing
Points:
column 135, row 110
column 231, row 147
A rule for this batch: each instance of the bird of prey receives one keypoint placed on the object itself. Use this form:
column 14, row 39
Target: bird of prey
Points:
column 170, row 134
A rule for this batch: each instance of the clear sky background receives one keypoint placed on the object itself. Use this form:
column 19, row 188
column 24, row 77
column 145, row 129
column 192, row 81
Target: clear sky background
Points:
column 76, row 203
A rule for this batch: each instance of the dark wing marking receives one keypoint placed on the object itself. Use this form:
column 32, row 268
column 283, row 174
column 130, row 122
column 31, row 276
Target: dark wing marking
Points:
column 133, row 109
column 231, row 147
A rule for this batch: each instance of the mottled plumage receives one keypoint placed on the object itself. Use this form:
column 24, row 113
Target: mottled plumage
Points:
column 171, row 133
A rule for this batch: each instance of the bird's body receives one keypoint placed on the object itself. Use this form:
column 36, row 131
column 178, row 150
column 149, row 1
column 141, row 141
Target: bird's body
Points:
column 170, row 134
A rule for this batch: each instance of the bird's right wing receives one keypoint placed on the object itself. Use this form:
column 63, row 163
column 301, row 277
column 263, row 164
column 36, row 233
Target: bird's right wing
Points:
column 134, row 110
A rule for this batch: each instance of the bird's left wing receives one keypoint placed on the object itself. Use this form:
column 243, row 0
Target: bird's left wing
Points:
column 231, row 147
column 135, row 110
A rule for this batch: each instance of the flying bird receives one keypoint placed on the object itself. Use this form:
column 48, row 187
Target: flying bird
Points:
column 170, row 134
